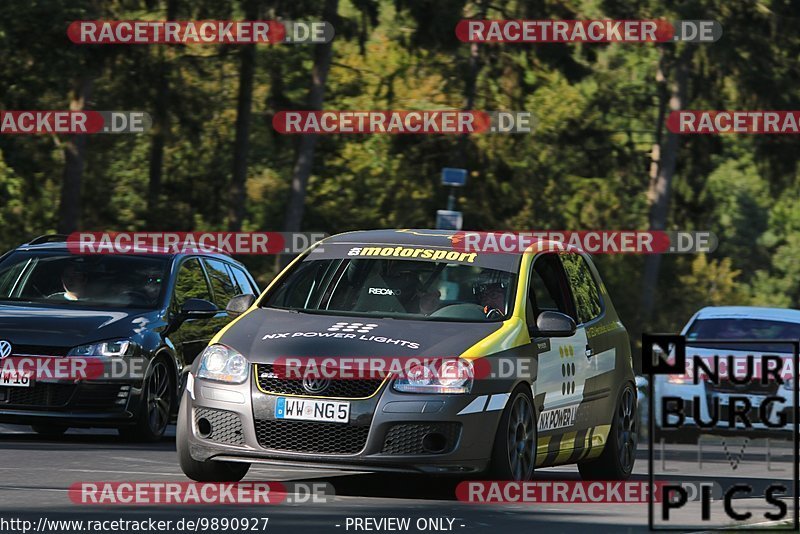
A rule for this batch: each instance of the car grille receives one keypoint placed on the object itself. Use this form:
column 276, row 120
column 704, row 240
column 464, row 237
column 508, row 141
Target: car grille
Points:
column 38, row 395
column 49, row 395
column 39, row 350
column 406, row 438
column 268, row 382
column 755, row 387
column 302, row 436
column 226, row 427
column 100, row 396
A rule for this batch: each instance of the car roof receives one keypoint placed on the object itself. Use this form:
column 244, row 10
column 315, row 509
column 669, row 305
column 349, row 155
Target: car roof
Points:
column 749, row 312
column 425, row 237
column 59, row 246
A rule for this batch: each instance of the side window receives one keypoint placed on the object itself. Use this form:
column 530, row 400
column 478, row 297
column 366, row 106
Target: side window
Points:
column 584, row 287
column 243, row 284
column 549, row 290
column 190, row 283
column 221, row 283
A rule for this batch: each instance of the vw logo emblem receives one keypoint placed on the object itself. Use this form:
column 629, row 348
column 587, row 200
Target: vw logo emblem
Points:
column 315, row 385
column 5, row 349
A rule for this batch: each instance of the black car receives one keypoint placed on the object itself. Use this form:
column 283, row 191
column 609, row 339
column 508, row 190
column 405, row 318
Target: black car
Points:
column 142, row 318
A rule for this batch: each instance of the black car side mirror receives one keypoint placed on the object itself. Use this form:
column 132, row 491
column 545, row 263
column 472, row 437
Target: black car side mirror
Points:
column 554, row 324
column 239, row 304
column 198, row 309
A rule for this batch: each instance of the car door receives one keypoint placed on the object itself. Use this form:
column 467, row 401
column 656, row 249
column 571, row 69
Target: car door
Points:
column 561, row 364
column 192, row 335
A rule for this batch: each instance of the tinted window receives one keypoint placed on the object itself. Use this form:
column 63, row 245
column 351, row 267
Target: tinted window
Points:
column 243, row 284
column 584, row 287
column 413, row 289
column 744, row 328
column 548, row 286
column 83, row 280
column 221, row 283
column 190, row 283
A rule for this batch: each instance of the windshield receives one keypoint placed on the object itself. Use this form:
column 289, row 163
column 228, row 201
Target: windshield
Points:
column 397, row 288
column 730, row 328
column 92, row 281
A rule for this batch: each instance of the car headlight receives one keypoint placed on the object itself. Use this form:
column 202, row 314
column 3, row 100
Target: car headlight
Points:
column 442, row 376
column 108, row 349
column 218, row 362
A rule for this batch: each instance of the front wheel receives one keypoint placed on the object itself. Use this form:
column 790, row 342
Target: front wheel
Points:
column 617, row 459
column 514, row 452
column 156, row 407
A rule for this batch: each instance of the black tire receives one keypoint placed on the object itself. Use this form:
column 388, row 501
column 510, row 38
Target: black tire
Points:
column 155, row 410
column 514, row 451
column 619, row 455
column 50, row 431
column 211, row 471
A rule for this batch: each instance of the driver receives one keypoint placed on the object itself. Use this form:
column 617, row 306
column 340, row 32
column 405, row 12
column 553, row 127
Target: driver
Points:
column 493, row 299
column 74, row 279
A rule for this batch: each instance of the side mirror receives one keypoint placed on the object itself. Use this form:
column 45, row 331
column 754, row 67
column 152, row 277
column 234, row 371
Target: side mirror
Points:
column 239, row 304
column 198, row 309
column 554, row 324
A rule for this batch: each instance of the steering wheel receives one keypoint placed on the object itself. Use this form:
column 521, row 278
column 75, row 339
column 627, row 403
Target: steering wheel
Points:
column 494, row 313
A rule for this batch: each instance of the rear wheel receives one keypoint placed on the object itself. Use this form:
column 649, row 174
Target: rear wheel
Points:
column 156, row 407
column 617, row 459
column 50, row 431
column 211, row 471
column 514, row 452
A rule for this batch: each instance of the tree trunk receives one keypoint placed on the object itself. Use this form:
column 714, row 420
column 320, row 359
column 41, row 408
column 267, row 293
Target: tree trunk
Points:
column 160, row 132
column 662, row 170
column 305, row 152
column 69, row 209
column 241, row 144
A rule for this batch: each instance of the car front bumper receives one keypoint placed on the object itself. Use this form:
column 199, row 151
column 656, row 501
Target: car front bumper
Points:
column 82, row 404
column 386, row 431
column 700, row 400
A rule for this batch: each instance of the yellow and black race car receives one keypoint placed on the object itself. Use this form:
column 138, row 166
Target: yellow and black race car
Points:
column 519, row 361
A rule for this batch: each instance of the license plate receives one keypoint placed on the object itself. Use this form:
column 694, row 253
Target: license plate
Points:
column 15, row 379
column 312, row 410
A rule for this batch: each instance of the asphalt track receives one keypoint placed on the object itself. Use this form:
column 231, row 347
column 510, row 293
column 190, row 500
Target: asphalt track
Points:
column 35, row 473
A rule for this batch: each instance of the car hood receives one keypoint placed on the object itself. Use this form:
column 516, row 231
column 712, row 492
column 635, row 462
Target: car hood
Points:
column 264, row 335
column 68, row 327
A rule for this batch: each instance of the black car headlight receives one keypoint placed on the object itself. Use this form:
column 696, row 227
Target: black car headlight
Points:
column 454, row 375
column 108, row 349
column 221, row 363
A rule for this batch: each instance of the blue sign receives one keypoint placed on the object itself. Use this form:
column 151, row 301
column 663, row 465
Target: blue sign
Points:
column 455, row 177
column 449, row 220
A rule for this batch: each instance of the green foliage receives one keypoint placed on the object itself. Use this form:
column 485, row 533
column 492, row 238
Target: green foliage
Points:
column 585, row 167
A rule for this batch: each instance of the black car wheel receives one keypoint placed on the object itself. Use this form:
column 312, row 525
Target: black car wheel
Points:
column 514, row 452
column 155, row 411
column 617, row 459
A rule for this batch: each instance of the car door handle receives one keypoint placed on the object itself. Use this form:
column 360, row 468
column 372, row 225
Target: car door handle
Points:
column 589, row 352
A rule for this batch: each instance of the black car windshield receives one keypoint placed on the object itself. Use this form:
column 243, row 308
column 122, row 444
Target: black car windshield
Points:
column 408, row 289
column 104, row 281
column 744, row 328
